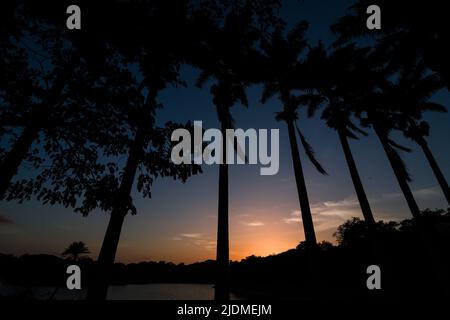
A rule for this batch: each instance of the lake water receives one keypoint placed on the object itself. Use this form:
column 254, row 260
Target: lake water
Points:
column 154, row 291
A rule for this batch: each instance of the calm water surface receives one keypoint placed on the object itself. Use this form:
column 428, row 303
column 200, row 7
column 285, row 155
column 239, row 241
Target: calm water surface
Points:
column 154, row 291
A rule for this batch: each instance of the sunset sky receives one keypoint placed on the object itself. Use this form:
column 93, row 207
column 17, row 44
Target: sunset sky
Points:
column 179, row 223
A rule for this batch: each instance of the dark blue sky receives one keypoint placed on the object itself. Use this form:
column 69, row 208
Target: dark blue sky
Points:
column 179, row 222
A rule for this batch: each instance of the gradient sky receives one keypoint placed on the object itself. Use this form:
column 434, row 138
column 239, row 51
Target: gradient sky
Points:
column 179, row 223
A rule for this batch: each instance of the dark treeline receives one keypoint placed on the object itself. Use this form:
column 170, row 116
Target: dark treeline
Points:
column 406, row 268
column 49, row 270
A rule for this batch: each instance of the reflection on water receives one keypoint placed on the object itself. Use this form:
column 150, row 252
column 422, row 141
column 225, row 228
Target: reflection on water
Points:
column 154, row 291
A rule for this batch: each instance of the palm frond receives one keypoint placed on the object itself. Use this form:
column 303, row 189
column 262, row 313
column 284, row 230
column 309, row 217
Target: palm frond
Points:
column 269, row 91
column 355, row 128
column 312, row 101
column 310, row 152
column 204, row 76
column 240, row 95
column 432, row 106
column 398, row 146
column 350, row 134
column 296, row 37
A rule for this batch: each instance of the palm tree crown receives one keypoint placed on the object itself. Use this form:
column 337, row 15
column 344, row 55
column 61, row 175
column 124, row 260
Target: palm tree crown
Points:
column 75, row 251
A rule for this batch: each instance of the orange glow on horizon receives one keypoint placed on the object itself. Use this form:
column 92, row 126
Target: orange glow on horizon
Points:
column 260, row 232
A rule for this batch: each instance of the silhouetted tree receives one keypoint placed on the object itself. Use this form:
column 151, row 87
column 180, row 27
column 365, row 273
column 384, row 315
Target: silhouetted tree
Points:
column 412, row 93
column 284, row 75
column 417, row 131
column 382, row 127
column 397, row 106
column 131, row 74
column 335, row 79
column 385, row 106
column 376, row 109
column 409, row 30
column 47, row 92
column 75, row 251
column 225, row 66
column 354, row 232
column 230, row 58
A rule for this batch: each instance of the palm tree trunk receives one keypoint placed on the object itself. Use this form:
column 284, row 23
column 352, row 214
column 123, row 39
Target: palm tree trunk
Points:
column 376, row 244
column 308, row 226
column 14, row 158
column 402, row 180
column 426, row 232
column 361, row 194
column 221, row 289
column 435, row 167
column 99, row 286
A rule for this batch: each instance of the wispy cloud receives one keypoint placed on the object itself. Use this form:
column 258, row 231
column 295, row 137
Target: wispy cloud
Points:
column 294, row 217
column 191, row 235
column 327, row 214
column 197, row 239
column 345, row 203
column 330, row 214
column 292, row 220
column 254, row 224
column 427, row 193
column 419, row 194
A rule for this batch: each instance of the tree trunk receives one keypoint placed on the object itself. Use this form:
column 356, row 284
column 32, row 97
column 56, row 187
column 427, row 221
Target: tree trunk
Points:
column 221, row 289
column 99, row 285
column 14, row 158
column 376, row 244
column 402, row 181
column 426, row 233
column 435, row 167
column 361, row 194
column 308, row 226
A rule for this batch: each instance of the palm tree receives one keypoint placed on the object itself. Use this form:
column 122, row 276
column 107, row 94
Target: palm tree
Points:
column 402, row 41
column 75, row 251
column 229, row 59
column 383, row 126
column 283, row 72
column 290, row 116
column 399, row 44
column 414, row 89
column 403, row 37
column 398, row 106
column 417, row 131
column 335, row 79
column 378, row 103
